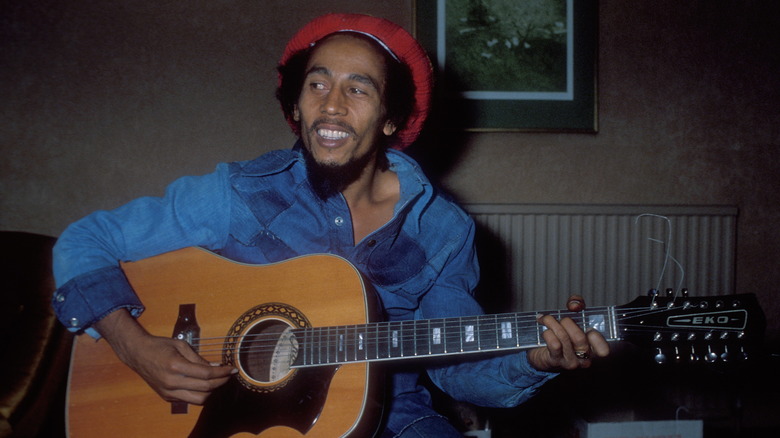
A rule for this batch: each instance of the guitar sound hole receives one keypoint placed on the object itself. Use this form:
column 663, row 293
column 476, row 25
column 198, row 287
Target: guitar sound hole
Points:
column 267, row 350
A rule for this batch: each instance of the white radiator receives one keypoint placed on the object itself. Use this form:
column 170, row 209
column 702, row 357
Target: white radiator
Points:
column 534, row 256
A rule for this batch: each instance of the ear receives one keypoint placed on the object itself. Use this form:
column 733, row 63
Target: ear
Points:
column 389, row 128
column 296, row 113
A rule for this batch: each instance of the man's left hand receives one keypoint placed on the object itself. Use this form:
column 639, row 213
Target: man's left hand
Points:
column 568, row 346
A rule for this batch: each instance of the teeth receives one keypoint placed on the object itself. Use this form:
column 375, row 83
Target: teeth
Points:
column 332, row 135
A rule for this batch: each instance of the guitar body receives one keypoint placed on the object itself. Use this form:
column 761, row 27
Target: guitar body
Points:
column 233, row 301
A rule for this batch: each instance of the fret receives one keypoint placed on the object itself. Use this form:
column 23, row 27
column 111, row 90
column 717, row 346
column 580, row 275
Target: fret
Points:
column 350, row 344
column 312, row 343
column 304, row 356
column 321, row 345
column 487, row 332
column 312, row 337
column 506, row 331
column 383, row 341
column 422, row 344
column 331, row 344
column 324, row 341
column 613, row 330
column 371, row 341
column 528, row 330
column 460, row 332
column 408, row 339
column 496, row 329
column 539, row 329
column 452, row 339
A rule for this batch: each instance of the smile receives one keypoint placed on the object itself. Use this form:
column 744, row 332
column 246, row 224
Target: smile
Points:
column 330, row 134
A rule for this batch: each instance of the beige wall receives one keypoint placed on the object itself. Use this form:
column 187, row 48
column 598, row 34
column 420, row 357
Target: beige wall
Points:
column 106, row 101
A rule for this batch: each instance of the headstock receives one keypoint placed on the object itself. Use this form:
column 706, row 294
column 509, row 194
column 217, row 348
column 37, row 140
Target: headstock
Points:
column 687, row 329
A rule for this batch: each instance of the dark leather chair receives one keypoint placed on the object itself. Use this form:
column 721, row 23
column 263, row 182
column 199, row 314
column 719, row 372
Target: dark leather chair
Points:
column 36, row 348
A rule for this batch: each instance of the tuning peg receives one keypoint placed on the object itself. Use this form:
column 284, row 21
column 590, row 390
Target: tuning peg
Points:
column 725, row 356
column 660, row 357
column 711, row 356
column 743, row 353
column 694, row 357
column 684, row 292
column 669, row 292
column 677, row 355
column 653, row 294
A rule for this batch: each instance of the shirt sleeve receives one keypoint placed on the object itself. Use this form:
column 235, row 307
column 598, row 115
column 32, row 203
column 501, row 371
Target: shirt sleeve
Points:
column 504, row 380
column 195, row 211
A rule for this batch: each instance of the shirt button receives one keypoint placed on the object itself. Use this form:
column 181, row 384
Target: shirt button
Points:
column 339, row 221
column 371, row 243
column 74, row 322
column 60, row 298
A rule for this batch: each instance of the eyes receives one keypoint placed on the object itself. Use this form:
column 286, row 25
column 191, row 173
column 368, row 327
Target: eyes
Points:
column 321, row 87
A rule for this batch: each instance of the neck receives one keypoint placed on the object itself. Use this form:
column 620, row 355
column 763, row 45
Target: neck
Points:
column 366, row 186
column 438, row 337
column 372, row 198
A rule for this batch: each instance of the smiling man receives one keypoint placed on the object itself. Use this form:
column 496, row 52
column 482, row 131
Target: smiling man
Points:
column 344, row 123
column 356, row 90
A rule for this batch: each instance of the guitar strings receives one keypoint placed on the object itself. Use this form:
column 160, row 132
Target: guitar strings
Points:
column 328, row 338
column 667, row 245
column 484, row 327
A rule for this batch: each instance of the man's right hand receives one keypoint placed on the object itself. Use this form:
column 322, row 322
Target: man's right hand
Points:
column 171, row 367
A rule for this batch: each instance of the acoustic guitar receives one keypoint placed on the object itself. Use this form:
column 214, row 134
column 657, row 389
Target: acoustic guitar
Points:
column 304, row 337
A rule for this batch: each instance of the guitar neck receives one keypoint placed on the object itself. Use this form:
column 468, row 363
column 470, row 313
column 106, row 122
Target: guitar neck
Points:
column 437, row 337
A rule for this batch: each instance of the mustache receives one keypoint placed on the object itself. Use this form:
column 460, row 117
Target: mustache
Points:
column 328, row 121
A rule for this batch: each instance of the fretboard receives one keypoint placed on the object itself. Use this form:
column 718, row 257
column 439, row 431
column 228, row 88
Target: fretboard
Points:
column 437, row 337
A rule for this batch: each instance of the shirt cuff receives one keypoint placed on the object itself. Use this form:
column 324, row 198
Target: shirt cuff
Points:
column 87, row 298
column 526, row 376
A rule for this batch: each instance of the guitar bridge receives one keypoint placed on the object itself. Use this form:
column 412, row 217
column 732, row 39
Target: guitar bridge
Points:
column 187, row 330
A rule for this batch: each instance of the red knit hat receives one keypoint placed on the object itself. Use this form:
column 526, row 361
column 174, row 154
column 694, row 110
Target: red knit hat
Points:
column 395, row 40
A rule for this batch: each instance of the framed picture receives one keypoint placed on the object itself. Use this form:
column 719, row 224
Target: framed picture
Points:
column 509, row 65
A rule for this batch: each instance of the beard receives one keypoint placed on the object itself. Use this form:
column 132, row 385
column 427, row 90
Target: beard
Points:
column 330, row 179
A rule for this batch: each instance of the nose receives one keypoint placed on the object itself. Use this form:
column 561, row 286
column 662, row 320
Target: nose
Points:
column 333, row 103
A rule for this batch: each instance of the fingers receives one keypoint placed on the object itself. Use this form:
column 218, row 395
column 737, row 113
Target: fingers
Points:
column 197, row 367
column 190, row 373
column 575, row 303
column 174, row 370
column 192, row 383
column 568, row 346
column 598, row 344
column 564, row 339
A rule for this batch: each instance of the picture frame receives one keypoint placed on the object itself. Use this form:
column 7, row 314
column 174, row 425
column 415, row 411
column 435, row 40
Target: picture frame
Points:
column 534, row 63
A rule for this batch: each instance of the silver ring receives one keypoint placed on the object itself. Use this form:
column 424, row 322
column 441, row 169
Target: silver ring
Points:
column 584, row 355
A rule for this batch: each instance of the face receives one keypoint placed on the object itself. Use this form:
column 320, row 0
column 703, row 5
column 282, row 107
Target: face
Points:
column 341, row 107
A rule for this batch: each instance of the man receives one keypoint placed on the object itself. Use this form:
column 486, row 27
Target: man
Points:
column 356, row 90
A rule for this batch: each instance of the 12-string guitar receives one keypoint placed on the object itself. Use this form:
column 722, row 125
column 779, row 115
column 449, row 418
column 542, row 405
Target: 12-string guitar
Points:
column 302, row 335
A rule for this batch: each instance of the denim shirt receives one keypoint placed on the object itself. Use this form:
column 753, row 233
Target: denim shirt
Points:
column 422, row 263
